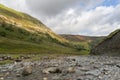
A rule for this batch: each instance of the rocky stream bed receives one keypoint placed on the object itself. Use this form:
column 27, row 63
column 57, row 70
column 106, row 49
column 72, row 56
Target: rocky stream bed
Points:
column 64, row 68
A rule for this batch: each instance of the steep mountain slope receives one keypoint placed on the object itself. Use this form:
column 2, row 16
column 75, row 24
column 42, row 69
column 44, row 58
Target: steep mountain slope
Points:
column 22, row 33
column 26, row 22
column 110, row 45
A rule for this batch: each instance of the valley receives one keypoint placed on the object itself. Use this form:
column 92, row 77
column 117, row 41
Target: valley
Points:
column 29, row 50
column 21, row 33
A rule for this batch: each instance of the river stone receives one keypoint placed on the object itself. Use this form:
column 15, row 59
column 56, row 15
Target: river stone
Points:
column 93, row 72
column 45, row 78
column 2, row 78
column 118, row 65
column 52, row 70
column 71, row 70
column 18, row 75
column 27, row 71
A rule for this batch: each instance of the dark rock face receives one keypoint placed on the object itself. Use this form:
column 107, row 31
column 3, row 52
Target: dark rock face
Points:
column 110, row 46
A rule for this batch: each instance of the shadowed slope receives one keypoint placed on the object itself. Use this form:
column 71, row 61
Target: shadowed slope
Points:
column 109, row 46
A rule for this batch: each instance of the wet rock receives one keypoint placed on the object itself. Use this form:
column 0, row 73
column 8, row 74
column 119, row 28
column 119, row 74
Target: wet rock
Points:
column 1, row 59
column 84, row 69
column 45, row 78
column 100, row 77
column 105, row 71
column 25, row 57
column 6, row 74
column 9, row 58
column 45, row 58
column 93, row 72
column 110, row 63
column 27, row 71
column 18, row 75
column 71, row 70
column 97, row 66
column 52, row 70
column 78, row 65
column 1, row 78
column 73, row 59
column 118, row 65
column 56, row 78
column 5, row 57
column 18, row 60
column 79, row 79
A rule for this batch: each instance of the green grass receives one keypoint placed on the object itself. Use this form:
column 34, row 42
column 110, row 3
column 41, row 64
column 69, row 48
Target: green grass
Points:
column 23, row 47
column 17, row 40
column 5, row 62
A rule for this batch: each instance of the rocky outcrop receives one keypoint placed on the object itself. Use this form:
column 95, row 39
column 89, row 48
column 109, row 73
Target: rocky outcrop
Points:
column 109, row 46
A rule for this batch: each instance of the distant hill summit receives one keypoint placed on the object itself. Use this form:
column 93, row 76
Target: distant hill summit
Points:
column 80, row 38
column 87, row 42
column 109, row 46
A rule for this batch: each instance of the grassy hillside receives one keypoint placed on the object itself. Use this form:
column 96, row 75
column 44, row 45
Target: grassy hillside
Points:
column 80, row 41
column 21, row 33
column 26, row 22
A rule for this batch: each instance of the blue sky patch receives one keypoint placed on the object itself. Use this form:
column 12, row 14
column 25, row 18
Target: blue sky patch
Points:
column 111, row 2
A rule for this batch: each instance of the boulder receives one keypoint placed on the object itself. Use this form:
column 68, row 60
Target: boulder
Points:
column 27, row 71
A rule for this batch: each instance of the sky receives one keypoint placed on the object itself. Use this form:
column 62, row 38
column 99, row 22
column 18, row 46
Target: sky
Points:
column 81, row 17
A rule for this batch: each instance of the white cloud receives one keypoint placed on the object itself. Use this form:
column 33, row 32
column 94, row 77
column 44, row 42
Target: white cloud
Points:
column 87, row 17
column 19, row 5
column 99, row 21
column 54, row 7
